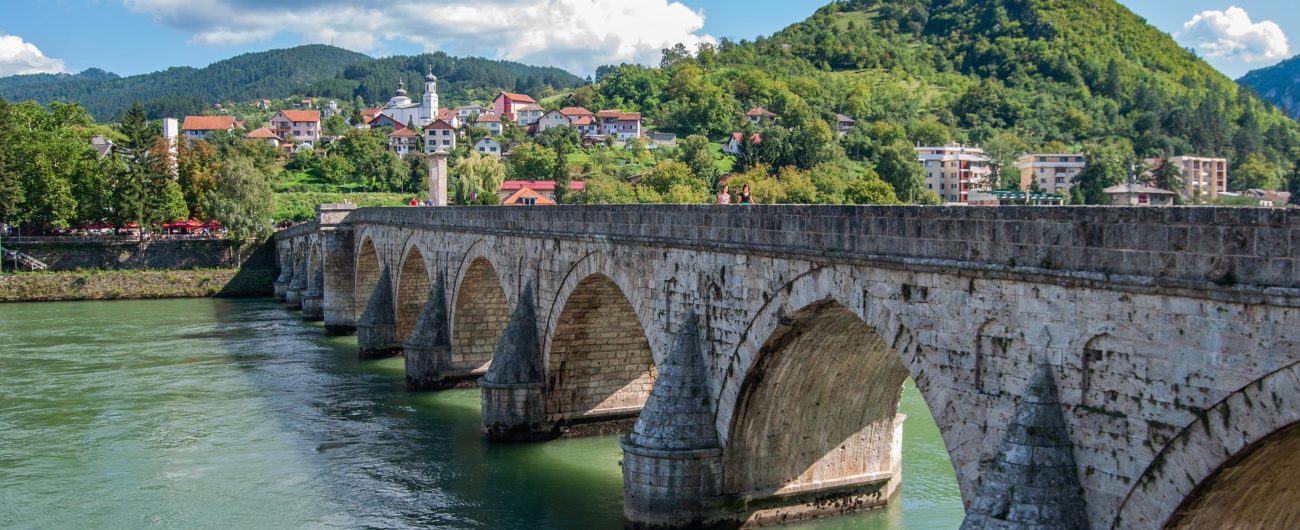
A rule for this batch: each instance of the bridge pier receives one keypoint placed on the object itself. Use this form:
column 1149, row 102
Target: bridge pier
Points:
column 513, row 391
column 428, row 349
column 313, row 299
column 293, row 293
column 377, row 329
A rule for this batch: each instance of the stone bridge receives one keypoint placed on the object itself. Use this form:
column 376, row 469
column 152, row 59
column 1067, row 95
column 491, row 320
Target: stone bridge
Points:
column 1087, row 367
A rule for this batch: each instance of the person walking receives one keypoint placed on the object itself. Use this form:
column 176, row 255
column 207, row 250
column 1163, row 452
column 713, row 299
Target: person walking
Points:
column 725, row 196
column 745, row 197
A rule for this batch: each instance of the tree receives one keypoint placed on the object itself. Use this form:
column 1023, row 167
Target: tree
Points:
column 335, row 125
column 561, row 176
column 1293, row 185
column 196, row 173
column 899, row 167
column 242, row 200
column 1257, row 172
column 532, row 162
column 476, row 179
column 674, row 182
column 1167, row 176
column 1105, row 168
column 696, row 151
column 869, row 191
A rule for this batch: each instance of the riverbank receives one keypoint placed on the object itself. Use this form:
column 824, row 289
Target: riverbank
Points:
column 134, row 284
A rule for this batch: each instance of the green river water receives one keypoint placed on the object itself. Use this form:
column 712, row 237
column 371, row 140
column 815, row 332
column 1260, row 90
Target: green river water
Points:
column 236, row 414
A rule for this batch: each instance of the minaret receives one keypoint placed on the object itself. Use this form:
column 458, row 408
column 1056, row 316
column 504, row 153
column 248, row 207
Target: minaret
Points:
column 429, row 110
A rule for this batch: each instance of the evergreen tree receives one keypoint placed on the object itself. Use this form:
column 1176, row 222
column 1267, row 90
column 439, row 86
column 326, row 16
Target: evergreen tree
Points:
column 561, row 175
column 1167, row 176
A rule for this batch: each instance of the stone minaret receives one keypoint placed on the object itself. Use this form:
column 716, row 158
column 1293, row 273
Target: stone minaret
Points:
column 429, row 108
column 438, row 178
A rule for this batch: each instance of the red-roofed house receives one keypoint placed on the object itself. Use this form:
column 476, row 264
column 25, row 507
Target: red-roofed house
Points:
column 199, row 127
column 623, row 125
column 265, row 135
column 297, row 125
column 526, row 196
column 733, row 144
column 507, row 103
column 439, row 135
column 574, row 112
column 369, row 114
column 491, row 122
column 545, row 188
column 553, row 119
column 403, row 141
column 586, row 125
column 384, row 120
column 758, row 115
column 528, row 114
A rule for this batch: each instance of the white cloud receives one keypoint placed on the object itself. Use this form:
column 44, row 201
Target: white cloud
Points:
column 578, row 35
column 21, row 57
column 1231, row 35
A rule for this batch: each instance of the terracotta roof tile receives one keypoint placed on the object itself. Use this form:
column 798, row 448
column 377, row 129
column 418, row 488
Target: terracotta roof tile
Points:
column 208, row 123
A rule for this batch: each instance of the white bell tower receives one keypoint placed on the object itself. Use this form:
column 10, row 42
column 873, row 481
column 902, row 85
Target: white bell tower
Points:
column 429, row 108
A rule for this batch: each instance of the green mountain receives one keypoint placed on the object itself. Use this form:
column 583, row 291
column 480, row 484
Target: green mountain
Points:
column 1279, row 84
column 312, row 70
column 1030, row 74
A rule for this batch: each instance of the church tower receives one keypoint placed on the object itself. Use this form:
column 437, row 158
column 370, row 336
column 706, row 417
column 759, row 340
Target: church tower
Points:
column 429, row 108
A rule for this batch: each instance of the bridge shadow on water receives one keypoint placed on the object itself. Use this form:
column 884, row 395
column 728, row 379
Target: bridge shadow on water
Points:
column 389, row 457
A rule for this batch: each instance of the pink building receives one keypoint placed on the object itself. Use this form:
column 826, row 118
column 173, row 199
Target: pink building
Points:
column 507, row 104
column 297, row 126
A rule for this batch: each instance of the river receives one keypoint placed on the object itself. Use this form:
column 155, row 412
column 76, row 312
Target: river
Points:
column 236, row 414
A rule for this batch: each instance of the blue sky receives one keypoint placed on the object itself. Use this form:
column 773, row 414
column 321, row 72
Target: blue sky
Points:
column 136, row 36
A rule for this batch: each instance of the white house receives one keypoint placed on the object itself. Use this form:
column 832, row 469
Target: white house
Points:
column 553, row 119
column 488, row 146
column 491, row 122
column 528, row 114
column 403, row 141
column 439, row 136
column 467, row 111
column 199, row 127
column 297, row 125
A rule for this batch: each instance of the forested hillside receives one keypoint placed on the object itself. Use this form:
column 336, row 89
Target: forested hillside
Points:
column 1012, row 75
column 313, row 70
column 1279, row 84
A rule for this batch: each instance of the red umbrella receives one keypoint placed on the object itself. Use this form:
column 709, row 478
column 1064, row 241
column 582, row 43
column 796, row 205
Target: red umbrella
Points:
column 193, row 223
column 132, row 225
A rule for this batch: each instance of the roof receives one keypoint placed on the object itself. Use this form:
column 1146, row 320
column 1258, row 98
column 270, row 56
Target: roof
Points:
column 629, row 116
column 843, row 118
column 489, row 118
column 759, row 111
column 1136, row 188
column 301, row 115
column 516, row 198
column 403, row 133
column 575, row 111
column 262, row 134
column 487, row 139
column 522, row 98
column 740, row 137
column 208, row 123
column 529, row 107
column 539, row 185
column 439, row 124
column 609, row 113
column 582, row 120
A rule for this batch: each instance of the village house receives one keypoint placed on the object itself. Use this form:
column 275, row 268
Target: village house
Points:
column 622, row 125
column 1053, row 173
column 403, row 141
column 384, row 120
column 544, row 188
column 491, row 122
column 369, row 115
column 656, row 140
column 331, row 109
column 737, row 139
column 439, row 136
column 954, row 170
column 199, row 127
column 297, row 125
column 507, row 105
column 528, row 114
column 760, row 115
column 1268, row 198
column 586, row 125
column 102, row 145
column 1139, row 195
column 468, row 111
column 265, row 135
column 844, row 124
column 527, row 197
column 488, row 146
column 553, row 119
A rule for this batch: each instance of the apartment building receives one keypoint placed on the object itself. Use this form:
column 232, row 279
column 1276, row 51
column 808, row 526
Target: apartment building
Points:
column 954, row 170
column 1203, row 177
column 1054, row 173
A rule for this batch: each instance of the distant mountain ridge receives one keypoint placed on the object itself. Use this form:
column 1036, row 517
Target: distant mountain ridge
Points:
column 1279, row 84
column 310, row 70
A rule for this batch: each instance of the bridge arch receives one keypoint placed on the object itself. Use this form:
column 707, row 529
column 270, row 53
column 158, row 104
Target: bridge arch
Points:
column 598, row 263
column 599, row 363
column 366, row 275
column 413, row 286
column 1245, row 438
column 480, row 311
